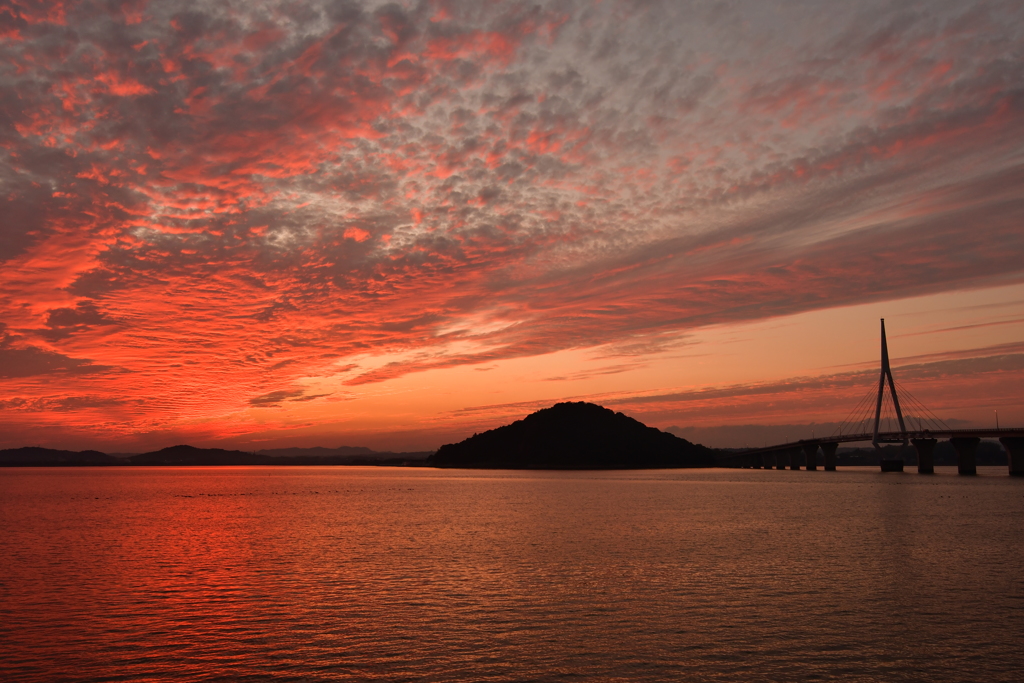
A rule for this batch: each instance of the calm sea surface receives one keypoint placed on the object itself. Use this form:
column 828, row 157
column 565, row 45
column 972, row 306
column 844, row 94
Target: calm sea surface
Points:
column 414, row 574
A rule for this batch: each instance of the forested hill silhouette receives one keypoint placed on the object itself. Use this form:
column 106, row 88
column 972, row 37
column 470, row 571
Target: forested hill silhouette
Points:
column 190, row 455
column 574, row 436
column 34, row 456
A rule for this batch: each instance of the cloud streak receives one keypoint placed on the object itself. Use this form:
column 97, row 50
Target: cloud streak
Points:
column 230, row 203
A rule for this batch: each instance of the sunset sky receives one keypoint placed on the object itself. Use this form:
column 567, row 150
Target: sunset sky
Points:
column 265, row 224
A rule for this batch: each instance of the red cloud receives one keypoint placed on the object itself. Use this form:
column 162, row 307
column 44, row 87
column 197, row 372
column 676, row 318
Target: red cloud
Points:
column 474, row 45
column 222, row 205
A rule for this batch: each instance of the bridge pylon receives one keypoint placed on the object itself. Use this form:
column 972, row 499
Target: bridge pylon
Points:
column 920, row 426
column 887, row 375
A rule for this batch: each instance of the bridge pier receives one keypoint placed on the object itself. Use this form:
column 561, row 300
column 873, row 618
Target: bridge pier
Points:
column 769, row 460
column 925, row 460
column 1014, row 446
column 811, row 453
column 966, row 446
column 794, row 458
column 781, row 460
column 829, row 451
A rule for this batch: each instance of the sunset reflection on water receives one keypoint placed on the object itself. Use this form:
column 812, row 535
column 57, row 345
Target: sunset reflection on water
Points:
column 357, row 573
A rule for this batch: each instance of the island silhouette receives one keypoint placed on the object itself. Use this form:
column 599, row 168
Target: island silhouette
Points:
column 574, row 436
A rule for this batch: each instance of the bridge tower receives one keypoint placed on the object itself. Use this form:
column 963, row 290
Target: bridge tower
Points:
column 885, row 378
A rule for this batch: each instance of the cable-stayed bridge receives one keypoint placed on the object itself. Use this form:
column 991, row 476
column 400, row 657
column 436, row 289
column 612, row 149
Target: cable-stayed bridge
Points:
column 890, row 415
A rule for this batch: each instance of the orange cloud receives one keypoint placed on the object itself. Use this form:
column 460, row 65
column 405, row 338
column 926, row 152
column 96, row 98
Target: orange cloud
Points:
column 211, row 213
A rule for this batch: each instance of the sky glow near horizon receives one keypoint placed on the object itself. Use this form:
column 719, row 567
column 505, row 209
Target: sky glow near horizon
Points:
column 263, row 224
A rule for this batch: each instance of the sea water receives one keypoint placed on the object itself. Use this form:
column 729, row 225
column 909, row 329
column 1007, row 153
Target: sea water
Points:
column 348, row 573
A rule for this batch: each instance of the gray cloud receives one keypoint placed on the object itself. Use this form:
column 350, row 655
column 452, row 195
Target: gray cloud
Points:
column 61, row 403
column 30, row 361
column 63, row 322
column 274, row 398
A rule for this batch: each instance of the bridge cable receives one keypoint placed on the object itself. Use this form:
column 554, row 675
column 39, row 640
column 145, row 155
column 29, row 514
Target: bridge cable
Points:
column 926, row 419
column 862, row 411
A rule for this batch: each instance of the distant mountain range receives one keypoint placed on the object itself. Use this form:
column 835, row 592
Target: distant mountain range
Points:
column 33, row 456
column 988, row 453
column 574, row 436
column 318, row 452
column 565, row 436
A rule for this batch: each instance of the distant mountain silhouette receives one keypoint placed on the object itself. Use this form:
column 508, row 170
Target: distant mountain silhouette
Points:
column 190, row 455
column 989, row 452
column 316, row 452
column 574, row 436
column 34, row 456
column 183, row 455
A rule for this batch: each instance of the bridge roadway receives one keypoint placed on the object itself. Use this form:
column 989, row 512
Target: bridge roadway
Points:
column 965, row 441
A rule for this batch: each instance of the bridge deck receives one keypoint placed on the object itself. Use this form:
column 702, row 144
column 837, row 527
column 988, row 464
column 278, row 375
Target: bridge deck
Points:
column 892, row 437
